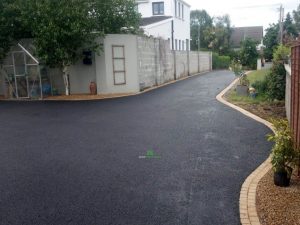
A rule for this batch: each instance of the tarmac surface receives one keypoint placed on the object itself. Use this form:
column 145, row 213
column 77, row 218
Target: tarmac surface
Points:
column 172, row 156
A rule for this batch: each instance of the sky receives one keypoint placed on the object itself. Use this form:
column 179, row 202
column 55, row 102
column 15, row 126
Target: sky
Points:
column 246, row 12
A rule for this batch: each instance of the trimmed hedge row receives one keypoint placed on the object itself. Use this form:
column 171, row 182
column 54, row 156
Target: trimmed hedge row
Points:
column 220, row 62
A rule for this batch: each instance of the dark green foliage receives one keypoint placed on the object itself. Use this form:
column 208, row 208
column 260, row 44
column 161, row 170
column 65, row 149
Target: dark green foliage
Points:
column 261, row 86
column 284, row 155
column 61, row 28
column 249, row 54
column 271, row 40
column 112, row 15
column 12, row 27
column 296, row 17
column 220, row 62
column 206, row 23
column 220, row 35
column 214, row 32
column 276, row 82
column 234, row 55
column 289, row 27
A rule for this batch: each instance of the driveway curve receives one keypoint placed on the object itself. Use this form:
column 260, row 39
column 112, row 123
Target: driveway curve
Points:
column 84, row 162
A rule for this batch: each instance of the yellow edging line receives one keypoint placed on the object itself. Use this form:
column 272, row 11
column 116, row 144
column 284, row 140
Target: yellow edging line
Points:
column 248, row 212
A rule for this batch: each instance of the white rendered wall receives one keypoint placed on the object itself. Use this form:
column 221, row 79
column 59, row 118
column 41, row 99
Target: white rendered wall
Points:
column 164, row 29
column 182, row 27
column 104, row 68
column 145, row 7
column 81, row 76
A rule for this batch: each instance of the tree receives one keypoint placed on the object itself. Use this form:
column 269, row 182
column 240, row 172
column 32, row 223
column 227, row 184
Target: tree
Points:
column 220, row 35
column 271, row 40
column 290, row 30
column 112, row 15
column 296, row 17
column 61, row 29
column 200, row 19
column 248, row 54
column 6, row 36
column 11, row 25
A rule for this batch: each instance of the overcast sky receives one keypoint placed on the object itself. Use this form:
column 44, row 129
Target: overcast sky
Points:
column 246, row 12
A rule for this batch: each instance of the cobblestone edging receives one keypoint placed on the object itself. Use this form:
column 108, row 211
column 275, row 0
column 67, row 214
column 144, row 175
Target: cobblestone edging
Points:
column 248, row 212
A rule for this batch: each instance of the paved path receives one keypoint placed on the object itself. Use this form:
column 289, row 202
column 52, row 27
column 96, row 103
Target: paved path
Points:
column 78, row 162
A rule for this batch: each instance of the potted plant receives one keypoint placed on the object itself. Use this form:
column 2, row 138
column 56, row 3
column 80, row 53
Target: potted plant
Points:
column 243, row 87
column 283, row 152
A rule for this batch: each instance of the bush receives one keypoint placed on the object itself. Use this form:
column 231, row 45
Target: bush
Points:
column 276, row 82
column 220, row 62
column 248, row 54
column 283, row 152
column 281, row 54
column 261, row 86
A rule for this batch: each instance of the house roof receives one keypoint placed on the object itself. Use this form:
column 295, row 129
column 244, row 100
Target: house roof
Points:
column 241, row 33
column 154, row 19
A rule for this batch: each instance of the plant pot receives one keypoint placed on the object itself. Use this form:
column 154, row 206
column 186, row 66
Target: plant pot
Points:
column 281, row 179
column 93, row 88
column 242, row 90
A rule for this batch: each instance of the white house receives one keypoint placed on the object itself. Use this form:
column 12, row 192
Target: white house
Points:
column 168, row 19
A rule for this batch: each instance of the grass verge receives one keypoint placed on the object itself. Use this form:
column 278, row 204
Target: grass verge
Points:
column 260, row 105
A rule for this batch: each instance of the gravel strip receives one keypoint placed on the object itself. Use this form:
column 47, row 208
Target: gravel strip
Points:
column 277, row 205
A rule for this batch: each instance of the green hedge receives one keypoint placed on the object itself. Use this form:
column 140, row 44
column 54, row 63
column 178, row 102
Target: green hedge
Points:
column 220, row 62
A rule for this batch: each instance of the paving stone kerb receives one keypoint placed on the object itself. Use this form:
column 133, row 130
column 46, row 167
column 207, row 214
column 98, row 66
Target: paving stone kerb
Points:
column 248, row 211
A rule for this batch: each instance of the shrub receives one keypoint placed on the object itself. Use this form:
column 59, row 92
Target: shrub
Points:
column 248, row 54
column 220, row 62
column 283, row 152
column 236, row 67
column 276, row 82
column 281, row 54
column 261, row 86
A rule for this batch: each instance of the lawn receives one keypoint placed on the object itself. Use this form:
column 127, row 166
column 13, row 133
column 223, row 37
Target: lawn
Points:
column 258, row 75
column 260, row 105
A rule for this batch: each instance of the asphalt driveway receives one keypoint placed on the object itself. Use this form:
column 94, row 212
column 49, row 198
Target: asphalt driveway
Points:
column 83, row 163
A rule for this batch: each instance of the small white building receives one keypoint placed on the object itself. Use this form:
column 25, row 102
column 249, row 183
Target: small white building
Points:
column 167, row 19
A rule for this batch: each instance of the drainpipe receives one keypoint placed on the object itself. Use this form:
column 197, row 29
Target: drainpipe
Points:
column 199, row 47
column 172, row 33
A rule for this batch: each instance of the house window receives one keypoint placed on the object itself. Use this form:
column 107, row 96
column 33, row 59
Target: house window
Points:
column 182, row 14
column 175, row 8
column 179, row 9
column 119, row 72
column 158, row 8
column 175, row 44
column 179, row 45
column 182, row 45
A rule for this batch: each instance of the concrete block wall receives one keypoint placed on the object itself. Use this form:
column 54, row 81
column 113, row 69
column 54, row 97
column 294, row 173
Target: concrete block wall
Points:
column 148, row 69
column 148, row 62
column 193, row 62
column 182, row 68
column 157, row 64
column 205, row 61
column 166, row 62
